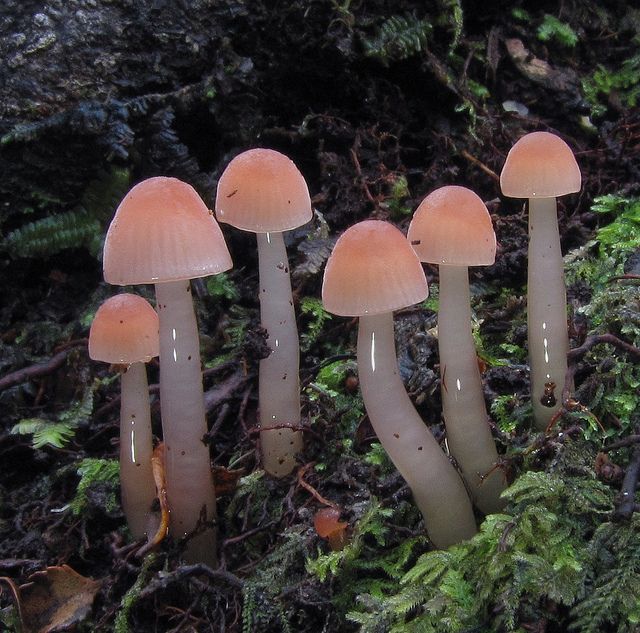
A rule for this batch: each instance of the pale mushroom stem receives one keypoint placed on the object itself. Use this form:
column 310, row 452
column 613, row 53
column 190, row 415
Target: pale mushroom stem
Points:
column 137, row 486
column 436, row 486
column 279, row 385
column 190, row 491
column 546, row 311
column 465, row 415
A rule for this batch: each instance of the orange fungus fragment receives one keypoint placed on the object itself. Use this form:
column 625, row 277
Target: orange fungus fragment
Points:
column 328, row 526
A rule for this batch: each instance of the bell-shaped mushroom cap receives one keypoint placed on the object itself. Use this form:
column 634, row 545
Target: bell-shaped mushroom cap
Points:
column 262, row 191
column 452, row 226
column 163, row 231
column 372, row 270
column 124, row 331
column 540, row 165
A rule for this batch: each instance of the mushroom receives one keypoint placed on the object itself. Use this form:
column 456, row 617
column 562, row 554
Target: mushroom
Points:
column 124, row 332
column 540, row 167
column 452, row 228
column 371, row 272
column 163, row 233
column 262, row 191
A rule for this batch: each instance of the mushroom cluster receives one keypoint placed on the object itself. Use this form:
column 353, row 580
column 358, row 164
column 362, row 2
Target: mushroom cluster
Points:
column 185, row 242
column 372, row 271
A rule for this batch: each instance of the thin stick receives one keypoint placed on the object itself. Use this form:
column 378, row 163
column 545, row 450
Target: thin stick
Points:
column 630, row 440
column 487, row 170
column 597, row 339
column 35, row 371
column 301, row 482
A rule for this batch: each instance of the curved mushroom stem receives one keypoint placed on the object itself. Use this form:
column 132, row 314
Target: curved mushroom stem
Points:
column 437, row 488
column 465, row 415
column 279, row 384
column 546, row 311
column 138, row 489
column 190, row 491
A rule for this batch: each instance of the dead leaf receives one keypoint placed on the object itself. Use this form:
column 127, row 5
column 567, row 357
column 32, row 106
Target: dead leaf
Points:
column 226, row 480
column 158, row 469
column 56, row 599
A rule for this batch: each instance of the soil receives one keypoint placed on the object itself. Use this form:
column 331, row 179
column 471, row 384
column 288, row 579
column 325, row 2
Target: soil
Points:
column 179, row 89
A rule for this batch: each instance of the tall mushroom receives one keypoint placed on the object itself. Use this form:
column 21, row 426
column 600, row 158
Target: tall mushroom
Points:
column 163, row 233
column 262, row 191
column 125, row 332
column 371, row 272
column 452, row 228
column 540, row 167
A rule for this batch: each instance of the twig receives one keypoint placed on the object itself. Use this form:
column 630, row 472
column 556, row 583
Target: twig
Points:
column 363, row 182
column 212, row 397
column 245, row 535
column 487, row 170
column 15, row 592
column 223, row 391
column 597, row 339
column 301, row 482
column 626, row 277
column 162, row 581
column 40, row 369
column 303, row 428
column 630, row 440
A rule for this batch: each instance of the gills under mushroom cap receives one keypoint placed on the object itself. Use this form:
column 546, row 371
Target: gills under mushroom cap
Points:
column 163, row 231
column 372, row 270
column 452, row 226
column 540, row 165
column 124, row 331
column 262, row 191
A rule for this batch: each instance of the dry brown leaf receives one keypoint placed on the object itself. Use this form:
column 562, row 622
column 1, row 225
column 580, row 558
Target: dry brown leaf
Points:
column 157, row 467
column 226, row 480
column 56, row 599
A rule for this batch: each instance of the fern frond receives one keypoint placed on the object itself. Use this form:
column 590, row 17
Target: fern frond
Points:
column 398, row 38
column 80, row 227
column 44, row 433
column 52, row 234
column 58, row 434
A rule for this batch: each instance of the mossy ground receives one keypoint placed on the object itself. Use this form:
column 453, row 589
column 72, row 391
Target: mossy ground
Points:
column 378, row 103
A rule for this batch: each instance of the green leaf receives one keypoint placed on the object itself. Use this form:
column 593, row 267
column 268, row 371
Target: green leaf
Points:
column 44, row 433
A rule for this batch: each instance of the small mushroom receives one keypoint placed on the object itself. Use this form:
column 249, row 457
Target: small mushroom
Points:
column 540, row 167
column 328, row 525
column 262, row 191
column 162, row 233
column 371, row 272
column 452, row 228
column 125, row 332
